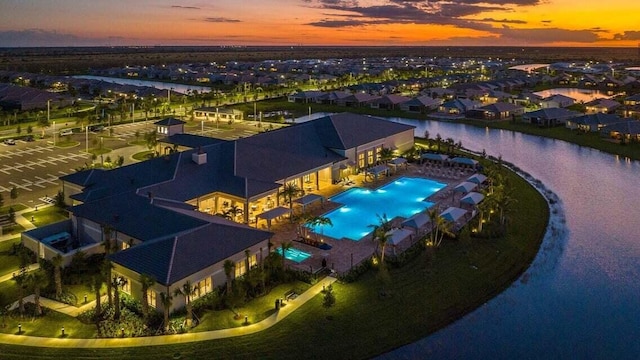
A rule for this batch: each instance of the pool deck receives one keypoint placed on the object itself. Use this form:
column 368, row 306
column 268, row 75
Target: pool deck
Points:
column 346, row 254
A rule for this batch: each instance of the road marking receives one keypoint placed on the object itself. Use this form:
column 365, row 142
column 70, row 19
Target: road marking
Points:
column 19, row 186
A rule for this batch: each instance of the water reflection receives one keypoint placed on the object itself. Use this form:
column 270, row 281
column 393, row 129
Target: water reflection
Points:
column 579, row 298
column 180, row 88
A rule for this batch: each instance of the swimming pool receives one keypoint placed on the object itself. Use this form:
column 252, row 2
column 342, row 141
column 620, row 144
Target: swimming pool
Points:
column 293, row 254
column 403, row 197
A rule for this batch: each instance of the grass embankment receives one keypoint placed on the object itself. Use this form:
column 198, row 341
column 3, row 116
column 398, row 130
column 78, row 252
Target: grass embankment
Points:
column 425, row 295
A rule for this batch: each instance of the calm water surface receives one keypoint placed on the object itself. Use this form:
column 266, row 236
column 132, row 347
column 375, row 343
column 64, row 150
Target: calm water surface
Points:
column 180, row 88
column 580, row 297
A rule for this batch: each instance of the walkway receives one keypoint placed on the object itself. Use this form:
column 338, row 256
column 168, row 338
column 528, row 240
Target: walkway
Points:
column 21, row 220
column 288, row 309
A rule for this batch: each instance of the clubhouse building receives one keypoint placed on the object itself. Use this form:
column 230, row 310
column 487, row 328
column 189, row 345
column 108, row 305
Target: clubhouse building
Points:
column 161, row 214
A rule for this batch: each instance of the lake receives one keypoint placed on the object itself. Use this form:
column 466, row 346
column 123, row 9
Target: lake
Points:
column 180, row 88
column 579, row 298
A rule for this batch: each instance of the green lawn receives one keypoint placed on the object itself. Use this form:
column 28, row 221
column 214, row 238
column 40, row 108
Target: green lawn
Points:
column 143, row 155
column 47, row 215
column 424, row 296
column 8, row 292
column 99, row 151
column 67, row 143
column 8, row 263
column 16, row 207
column 256, row 310
column 49, row 325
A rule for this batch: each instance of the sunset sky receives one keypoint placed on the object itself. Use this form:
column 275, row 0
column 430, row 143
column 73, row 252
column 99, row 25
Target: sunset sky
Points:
column 320, row 22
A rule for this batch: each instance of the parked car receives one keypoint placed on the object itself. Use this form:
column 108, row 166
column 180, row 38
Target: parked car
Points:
column 66, row 132
column 96, row 128
column 29, row 138
column 10, row 142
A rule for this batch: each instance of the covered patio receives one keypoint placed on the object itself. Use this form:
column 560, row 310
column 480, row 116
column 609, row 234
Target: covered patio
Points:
column 274, row 213
column 377, row 170
column 308, row 200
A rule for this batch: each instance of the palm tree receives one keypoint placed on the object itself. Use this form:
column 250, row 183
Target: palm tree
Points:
column 385, row 154
column 117, row 282
column 167, row 301
column 228, row 271
column 289, row 191
column 383, row 238
column 247, row 254
column 21, row 280
column 438, row 141
column 105, row 269
column 321, row 221
column 439, row 228
column 146, row 281
column 285, row 245
column 187, row 291
column 304, row 221
column 233, row 212
column 96, row 285
column 38, row 280
column 56, row 261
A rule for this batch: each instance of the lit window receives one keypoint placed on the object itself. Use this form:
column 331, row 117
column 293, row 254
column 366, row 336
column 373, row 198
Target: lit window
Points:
column 202, row 287
column 241, row 268
column 151, row 298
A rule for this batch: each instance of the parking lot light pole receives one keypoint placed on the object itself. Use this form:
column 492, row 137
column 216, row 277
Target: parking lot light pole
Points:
column 54, row 133
column 86, row 139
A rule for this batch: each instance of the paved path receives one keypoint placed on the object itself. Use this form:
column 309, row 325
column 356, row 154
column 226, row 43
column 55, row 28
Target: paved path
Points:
column 9, row 276
column 26, row 224
column 285, row 311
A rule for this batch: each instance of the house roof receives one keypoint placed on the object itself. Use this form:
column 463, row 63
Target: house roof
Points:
column 597, row 119
column 171, row 259
column 129, row 213
column 552, row 113
column 501, row 107
column 631, row 127
column 346, row 131
column 191, row 141
column 98, row 183
column 169, row 122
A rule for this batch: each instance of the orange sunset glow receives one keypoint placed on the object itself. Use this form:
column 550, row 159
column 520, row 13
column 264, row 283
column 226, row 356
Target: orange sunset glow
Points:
column 320, row 22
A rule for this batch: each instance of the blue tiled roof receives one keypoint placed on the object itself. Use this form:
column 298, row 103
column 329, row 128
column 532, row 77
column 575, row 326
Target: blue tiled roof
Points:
column 171, row 259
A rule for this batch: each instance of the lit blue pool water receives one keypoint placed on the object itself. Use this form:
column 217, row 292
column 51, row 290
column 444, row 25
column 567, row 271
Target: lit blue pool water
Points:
column 403, row 197
column 294, row 254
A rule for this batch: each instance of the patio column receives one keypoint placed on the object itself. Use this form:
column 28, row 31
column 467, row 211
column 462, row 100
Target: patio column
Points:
column 246, row 211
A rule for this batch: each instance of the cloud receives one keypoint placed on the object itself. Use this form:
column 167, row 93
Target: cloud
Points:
column 503, row 21
column 221, row 20
column 627, row 35
column 185, row 7
column 548, row 35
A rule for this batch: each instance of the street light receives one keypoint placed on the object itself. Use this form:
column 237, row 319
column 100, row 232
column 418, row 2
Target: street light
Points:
column 54, row 133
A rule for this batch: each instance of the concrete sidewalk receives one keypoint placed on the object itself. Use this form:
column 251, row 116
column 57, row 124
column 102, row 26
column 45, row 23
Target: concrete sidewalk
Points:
column 21, row 220
column 285, row 311
column 9, row 276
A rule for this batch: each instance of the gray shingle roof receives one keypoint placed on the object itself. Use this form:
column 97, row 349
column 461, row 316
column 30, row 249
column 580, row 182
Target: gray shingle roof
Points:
column 135, row 216
column 346, row 131
column 169, row 121
column 171, row 259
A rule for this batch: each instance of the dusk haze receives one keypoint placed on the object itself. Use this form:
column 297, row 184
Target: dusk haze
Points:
column 320, row 22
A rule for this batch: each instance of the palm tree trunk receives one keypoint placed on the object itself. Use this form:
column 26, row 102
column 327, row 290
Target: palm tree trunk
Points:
column 36, row 300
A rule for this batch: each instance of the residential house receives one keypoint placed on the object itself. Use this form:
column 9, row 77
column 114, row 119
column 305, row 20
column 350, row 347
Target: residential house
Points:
column 605, row 106
column 496, row 111
column 421, row 104
column 458, row 106
column 623, row 131
column 550, row 116
column 388, row 102
column 557, row 101
column 593, row 122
